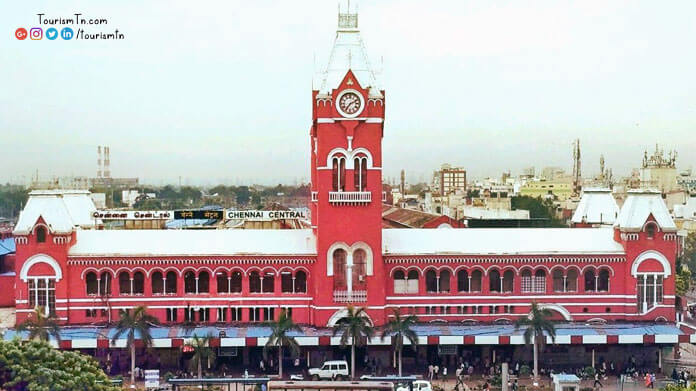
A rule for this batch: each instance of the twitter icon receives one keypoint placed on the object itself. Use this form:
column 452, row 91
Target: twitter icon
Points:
column 52, row 33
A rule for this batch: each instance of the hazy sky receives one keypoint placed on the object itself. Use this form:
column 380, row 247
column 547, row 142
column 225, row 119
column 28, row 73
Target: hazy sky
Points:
column 220, row 91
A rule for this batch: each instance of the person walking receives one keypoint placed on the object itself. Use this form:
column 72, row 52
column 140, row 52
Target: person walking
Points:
column 597, row 383
column 515, row 386
column 430, row 372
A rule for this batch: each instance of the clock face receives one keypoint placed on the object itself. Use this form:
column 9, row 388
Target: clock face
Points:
column 350, row 103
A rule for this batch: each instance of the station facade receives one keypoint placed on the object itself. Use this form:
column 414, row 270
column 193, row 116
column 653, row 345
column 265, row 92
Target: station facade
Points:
column 467, row 282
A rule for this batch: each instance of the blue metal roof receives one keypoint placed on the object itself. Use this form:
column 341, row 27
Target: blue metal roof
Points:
column 7, row 246
column 256, row 331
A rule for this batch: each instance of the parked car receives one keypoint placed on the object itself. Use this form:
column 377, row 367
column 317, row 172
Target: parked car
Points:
column 333, row 370
column 418, row 385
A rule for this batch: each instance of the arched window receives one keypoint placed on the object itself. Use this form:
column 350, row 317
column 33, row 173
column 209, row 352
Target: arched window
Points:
column 558, row 280
column 603, row 281
column 494, row 283
column 170, row 283
column 526, row 281
column 105, row 284
column 445, row 277
column 431, row 281
column 41, row 235
column 572, row 280
column 138, row 283
column 124, row 283
column 91, row 281
column 399, row 281
column 203, row 282
column 650, row 229
column 476, row 277
column 360, row 173
column 339, row 269
column 508, row 281
column 189, row 282
column 339, row 173
column 254, row 282
column 223, row 285
column 539, row 285
column 157, row 283
column 412, row 281
column 590, row 281
column 286, row 282
column 300, row 282
column 462, row 281
column 359, row 268
column 268, row 283
column 236, row 282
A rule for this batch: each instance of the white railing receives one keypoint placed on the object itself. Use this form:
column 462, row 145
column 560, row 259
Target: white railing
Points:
column 350, row 197
column 350, row 296
column 315, row 196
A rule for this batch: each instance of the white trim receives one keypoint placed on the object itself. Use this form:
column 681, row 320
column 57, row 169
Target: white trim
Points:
column 187, row 298
column 451, row 340
column 594, row 339
column 229, row 342
column 666, row 338
column 40, row 258
column 338, row 315
column 503, row 296
column 486, row 340
column 558, row 308
column 84, row 343
column 631, row 338
column 651, row 254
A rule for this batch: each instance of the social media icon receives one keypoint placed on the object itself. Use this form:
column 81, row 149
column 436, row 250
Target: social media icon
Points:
column 51, row 33
column 36, row 33
column 66, row 33
column 21, row 33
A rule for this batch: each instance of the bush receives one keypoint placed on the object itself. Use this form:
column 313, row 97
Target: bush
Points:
column 168, row 376
column 497, row 381
column 589, row 371
column 525, row 370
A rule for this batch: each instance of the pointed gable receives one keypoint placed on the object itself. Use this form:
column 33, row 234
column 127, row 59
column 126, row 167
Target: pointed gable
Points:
column 638, row 208
column 61, row 210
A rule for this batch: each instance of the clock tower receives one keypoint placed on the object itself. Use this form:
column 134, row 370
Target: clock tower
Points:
column 346, row 164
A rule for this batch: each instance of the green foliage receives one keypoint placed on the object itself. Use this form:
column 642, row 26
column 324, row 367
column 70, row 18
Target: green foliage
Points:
column 536, row 323
column 689, row 257
column 202, row 352
column 538, row 209
column 682, row 280
column 497, row 381
column 676, row 387
column 525, row 370
column 131, row 323
column 401, row 327
column 354, row 328
column 41, row 326
column 12, row 200
column 589, row 371
column 148, row 204
column 279, row 338
column 36, row 366
column 168, row 376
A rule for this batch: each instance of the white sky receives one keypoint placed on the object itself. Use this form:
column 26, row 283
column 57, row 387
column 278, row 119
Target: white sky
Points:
column 220, row 91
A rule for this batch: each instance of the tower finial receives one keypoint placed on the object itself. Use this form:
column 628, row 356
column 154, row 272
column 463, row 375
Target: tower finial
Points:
column 347, row 20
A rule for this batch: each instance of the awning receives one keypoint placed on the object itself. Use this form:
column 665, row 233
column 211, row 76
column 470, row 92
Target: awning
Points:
column 428, row 334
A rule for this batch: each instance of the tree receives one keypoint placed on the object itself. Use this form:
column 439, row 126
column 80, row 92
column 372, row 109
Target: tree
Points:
column 536, row 323
column 689, row 256
column 35, row 365
column 201, row 351
column 354, row 328
column 41, row 326
column 135, row 323
column 399, row 327
column 280, row 338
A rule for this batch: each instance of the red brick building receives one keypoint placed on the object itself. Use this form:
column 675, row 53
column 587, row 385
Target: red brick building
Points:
column 466, row 285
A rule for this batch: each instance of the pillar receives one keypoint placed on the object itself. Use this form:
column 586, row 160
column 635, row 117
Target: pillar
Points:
column 593, row 358
column 504, row 372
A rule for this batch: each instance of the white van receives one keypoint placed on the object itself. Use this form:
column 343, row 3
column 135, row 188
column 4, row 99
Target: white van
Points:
column 333, row 370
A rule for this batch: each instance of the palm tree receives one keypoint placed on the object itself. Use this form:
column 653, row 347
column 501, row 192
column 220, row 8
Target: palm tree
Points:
column 353, row 328
column 41, row 326
column 132, row 322
column 399, row 327
column 536, row 323
column 279, row 337
column 201, row 351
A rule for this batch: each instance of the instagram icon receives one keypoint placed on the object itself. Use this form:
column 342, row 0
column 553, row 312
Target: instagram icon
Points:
column 36, row 33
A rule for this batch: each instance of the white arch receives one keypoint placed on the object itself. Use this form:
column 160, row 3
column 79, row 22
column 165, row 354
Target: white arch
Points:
column 342, row 313
column 329, row 256
column 558, row 308
column 40, row 258
column 349, row 156
column 651, row 254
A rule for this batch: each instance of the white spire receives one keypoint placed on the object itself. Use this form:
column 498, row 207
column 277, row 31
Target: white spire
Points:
column 348, row 53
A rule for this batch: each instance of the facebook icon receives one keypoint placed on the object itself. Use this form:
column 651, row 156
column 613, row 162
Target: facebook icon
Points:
column 66, row 33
